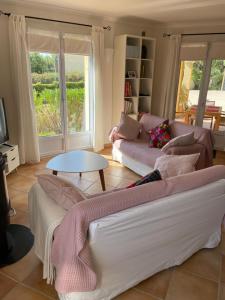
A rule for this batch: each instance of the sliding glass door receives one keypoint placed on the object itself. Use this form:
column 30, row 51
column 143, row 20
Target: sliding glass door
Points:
column 201, row 89
column 190, row 79
column 61, row 92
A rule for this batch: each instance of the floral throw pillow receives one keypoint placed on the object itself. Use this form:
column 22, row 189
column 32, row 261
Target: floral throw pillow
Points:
column 160, row 135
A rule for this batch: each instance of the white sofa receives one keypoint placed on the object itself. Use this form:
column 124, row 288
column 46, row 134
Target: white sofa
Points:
column 131, row 245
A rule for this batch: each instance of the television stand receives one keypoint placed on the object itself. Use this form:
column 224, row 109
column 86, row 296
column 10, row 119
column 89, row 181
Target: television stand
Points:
column 11, row 154
column 15, row 240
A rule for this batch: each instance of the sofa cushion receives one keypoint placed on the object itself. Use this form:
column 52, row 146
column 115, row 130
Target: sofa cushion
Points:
column 128, row 128
column 148, row 122
column 139, row 151
column 173, row 165
column 160, row 135
column 61, row 191
column 153, row 176
column 182, row 140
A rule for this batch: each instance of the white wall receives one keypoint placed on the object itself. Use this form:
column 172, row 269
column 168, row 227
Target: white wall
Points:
column 44, row 11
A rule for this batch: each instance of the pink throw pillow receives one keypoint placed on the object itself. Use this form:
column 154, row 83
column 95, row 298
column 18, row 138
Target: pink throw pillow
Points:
column 128, row 128
column 174, row 165
column 61, row 191
column 181, row 140
column 160, row 135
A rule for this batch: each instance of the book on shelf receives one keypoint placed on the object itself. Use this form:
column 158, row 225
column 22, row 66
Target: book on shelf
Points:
column 128, row 106
column 128, row 89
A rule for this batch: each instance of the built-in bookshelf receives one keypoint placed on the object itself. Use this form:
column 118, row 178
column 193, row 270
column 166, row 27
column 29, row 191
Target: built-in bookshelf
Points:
column 133, row 69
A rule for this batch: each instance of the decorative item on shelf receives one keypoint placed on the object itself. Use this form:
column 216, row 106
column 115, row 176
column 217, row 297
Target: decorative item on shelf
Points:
column 128, row 106
column 143, row 33
column 128, row 89
column 144, row 52
column 131, row 74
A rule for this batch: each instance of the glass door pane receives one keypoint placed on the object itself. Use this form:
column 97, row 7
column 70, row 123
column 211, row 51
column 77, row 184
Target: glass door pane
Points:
column 77, row 92
column 46, row 93
column 191, row 75
column 214, row 117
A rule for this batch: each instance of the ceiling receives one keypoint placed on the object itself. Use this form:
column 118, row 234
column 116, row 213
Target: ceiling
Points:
column 168, row 11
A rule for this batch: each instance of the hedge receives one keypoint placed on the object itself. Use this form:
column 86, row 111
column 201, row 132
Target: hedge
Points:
column 51, row 77
column 39, row 87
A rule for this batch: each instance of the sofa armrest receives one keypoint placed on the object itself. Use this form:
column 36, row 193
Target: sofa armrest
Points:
column 184, row 150
column 113, row 135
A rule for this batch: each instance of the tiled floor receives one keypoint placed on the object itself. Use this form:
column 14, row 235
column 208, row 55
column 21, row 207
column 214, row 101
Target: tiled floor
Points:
column 202, row 277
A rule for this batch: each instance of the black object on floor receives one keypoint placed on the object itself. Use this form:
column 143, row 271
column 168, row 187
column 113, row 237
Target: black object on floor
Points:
column 15, row 240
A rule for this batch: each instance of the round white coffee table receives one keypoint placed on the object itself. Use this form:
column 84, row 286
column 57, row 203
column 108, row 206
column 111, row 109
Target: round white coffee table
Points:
column 79, row 161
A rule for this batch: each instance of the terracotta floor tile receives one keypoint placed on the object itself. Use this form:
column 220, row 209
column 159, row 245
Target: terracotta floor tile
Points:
column 115, row 171
column 34, row 280
column 97, row 188
column 20, row 201
column 124, row 183
column 13, row 192
column 205, row 263
column 91, row 176
column 6, row 285
column 21, row 269
column 21, row 217
column 184, row 286
column 156, row 285
column 21, row 293
column 134, row 295
column 112, row 180
column 22, row 183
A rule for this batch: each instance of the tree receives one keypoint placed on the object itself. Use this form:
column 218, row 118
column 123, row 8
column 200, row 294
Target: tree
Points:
column 217, row 73
column 41, row 63
column 216, row 76
column 197, row 72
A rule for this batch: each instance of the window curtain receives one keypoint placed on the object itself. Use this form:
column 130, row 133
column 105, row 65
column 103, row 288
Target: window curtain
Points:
column 22, row 91
column 98, row 64
column 172, row 76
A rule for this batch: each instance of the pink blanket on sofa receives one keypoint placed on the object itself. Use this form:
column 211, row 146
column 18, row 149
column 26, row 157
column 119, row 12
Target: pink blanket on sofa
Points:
column 70, row 252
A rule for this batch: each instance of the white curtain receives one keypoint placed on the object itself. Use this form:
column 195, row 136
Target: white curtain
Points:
column 98, row 64
column 172, row 76
column 22, row 91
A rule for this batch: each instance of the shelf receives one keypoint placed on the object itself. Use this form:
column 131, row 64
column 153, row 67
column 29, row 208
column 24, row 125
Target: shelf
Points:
column 133, row 116
column 130, row 97
column 131, row 78
column 134, row 58
column 138, row 58
column 146, row 59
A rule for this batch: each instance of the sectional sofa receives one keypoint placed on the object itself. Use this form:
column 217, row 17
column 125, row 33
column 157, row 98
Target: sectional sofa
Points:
column 139, row 157
column 176, row 217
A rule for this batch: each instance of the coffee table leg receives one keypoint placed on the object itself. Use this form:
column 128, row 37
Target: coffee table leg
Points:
column 101, row 174
column 54, row 172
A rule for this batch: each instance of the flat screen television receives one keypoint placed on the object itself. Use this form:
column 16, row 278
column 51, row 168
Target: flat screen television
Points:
column 4, row 135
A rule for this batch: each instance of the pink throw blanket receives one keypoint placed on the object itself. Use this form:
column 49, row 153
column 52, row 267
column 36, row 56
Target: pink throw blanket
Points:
column 70, row 252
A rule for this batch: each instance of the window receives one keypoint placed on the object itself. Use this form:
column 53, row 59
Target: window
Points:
column 46, row 92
